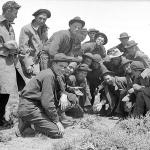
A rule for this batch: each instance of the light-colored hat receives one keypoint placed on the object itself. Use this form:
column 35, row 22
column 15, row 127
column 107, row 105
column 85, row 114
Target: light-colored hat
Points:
column 115, row 53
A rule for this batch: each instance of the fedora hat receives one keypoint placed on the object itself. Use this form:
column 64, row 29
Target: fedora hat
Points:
column 106, row 72
column 124, row 35
column 125, row 61
column 115, row 53
column 60, row 57
column 93, row 30
column 130, row 44
column 87, row 55
column 103, row 35
column 84, row 67
column 77, row 19
column 97, row 58
column 40, row 11
column 84, row 29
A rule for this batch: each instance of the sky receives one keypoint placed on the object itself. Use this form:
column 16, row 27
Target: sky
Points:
column 111, row 17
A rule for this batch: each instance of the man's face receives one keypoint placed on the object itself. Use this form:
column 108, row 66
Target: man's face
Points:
column 11, row 14
column 60, row 67
column 95, row 65
column 132, row 50
column 127, row 68
column 108, row 79
column 92, row 35
column 124, row 41
column 81, row 36
column 69, row 70
column 41, row 19
column 135, row 73
column 81, row 74
column 100, row 40
column 75, row 28
column 116, row 60
column 87, row 61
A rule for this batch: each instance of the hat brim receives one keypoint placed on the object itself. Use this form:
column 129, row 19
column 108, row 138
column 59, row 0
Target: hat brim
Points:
column 124, row 37
column 61, row 60
column 87, row 70
column 103, row 35
column 107, row 73
column 130, row 61
column 86, row 56
column 116, row 56
column 127, row 47
column 75, row 20
column 41, row 11
column 96, row 31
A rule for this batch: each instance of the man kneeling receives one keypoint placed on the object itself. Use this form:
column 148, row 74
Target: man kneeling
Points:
column 42, row 102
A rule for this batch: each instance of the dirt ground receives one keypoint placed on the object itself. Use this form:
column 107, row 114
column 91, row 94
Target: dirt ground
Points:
column 41, row 142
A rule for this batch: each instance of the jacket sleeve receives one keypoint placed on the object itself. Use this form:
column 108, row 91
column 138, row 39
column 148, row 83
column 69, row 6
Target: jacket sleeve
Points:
column 53, row 44
column 24, row 48
column 104, row 52
column 48, row 98
column 144, row 59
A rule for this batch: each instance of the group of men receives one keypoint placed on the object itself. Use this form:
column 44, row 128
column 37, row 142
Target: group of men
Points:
column 60, row 79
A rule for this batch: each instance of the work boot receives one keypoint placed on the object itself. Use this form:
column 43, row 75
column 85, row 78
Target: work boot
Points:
column 63, row 118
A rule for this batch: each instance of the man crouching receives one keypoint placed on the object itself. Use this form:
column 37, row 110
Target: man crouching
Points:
column 42, row 103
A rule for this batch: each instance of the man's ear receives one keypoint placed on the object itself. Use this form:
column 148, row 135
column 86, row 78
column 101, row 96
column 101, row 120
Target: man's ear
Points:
column 8, row 10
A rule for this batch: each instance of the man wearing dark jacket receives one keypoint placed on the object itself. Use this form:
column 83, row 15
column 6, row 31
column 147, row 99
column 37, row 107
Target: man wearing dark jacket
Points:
column 43, row 103
column 62, row 41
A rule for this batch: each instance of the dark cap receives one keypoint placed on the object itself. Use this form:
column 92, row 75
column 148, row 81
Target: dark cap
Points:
column 124, row 35
column 97, row 58
column 84, row 67
column 137, row 65
column 77, row 19
column 125, row 61
column 87, row 55
column 107, row 72
column 93, row 30
column 102, row 35
column 60, row 57
column 40, row 11
column 130, row 44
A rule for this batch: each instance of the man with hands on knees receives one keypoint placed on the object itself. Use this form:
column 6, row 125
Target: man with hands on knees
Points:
column 141, row 87
column 43, row 103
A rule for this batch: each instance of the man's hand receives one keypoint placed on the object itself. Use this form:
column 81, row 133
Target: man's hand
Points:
column 11, row 45
column 60, row 128
column 130, row 91
column 122, row 91
column 136, row 87
column 29, row 69
column 13, row 51
column 63, row 102
column 126, row 98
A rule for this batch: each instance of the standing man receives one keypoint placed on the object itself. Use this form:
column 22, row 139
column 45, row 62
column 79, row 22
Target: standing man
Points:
column 92, row 32
column 96, row 47
column 62, row 41
column 43, row 102
column 32, row 38
column 136, row 55
column 8, row 56
column 124, row 38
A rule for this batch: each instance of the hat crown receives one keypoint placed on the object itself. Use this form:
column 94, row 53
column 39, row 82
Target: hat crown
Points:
column 73, row 64
column 130, row 43
column 83, row 67
column 77, row 18
column 124, row 35
column 97, row 58
column 88, row 54
column 93, row 30
column 116, row 52
column 60, row 56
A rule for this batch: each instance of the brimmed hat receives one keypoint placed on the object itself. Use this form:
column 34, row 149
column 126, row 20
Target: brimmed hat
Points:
column 106, row 72
column 84, row 29
column 73, row 65
column 115, row 53
column 84, row 67
column 60, row 57
column 88, row 55
column 93, row 30
column 40, row 11
column 137, row 65
column 103, row 35
column 77, row 19
column 130, row 44
column 97, row 58
column 125, row 61
column 124, row 35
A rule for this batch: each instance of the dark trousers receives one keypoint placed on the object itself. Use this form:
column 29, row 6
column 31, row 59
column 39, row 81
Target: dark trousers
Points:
column 142, row 104
column 3, row 101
